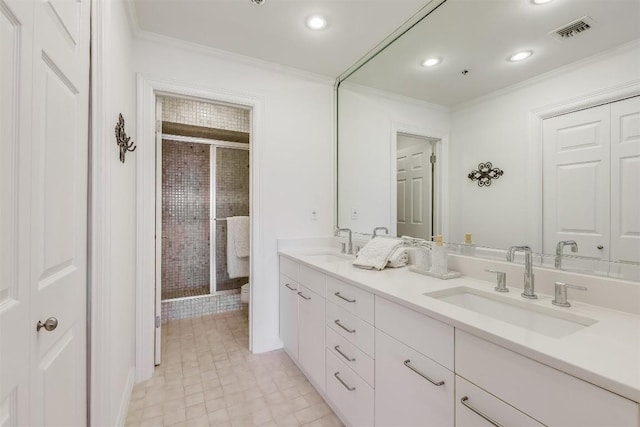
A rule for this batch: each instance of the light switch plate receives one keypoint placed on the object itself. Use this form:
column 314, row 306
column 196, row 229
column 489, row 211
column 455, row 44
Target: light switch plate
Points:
column 355, row 213
column 314, row 214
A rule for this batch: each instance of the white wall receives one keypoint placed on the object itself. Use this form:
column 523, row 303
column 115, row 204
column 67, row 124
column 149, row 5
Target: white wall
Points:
column 114, row 209
column 367, row 119
column 499, row 129
column 296, row 164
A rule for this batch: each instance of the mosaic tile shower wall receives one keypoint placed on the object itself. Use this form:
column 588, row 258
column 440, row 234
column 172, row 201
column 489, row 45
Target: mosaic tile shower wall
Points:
column 186, row 248
column 232, row 194
column 198, row 113
column 201, row 306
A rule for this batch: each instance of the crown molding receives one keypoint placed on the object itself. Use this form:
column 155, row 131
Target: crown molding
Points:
column 368, row 90
column 143, row 35
column 574, row 66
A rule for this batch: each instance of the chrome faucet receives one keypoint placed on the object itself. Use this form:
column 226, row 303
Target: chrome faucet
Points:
column 375, row 231
column 349, row 249
column 529, row 288
column 559, row 249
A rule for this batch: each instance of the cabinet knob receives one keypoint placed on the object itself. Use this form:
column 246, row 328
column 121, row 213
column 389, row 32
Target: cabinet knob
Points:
column 600, row 247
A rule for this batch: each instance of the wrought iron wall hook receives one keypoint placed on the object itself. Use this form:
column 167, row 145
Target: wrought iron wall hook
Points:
column 485, row 173
column 122, row 139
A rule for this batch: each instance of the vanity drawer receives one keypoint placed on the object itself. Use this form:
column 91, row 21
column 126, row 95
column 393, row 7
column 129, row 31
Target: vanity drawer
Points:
column 488, row 405
column 312, row 279
column 430, row 337
column 355, row 300
column 351, row 356
column 548, row 395
column 349, row 393
column 350, row 327
column 289, row 268
column 405, row 391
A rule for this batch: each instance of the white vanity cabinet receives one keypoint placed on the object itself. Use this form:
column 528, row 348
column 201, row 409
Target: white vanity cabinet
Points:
column 302, row 318
column 289, row 315
column 414, row 368
column 311, row 334
column 350, row 352
column 477, row 408
column 550, row 396
column 411, row 389
column 381, row 363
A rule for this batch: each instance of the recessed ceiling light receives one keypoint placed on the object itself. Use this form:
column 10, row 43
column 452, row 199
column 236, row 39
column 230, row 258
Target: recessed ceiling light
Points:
column 316, row 22
column 520, row 56
column 430, row 62
column 541, row 1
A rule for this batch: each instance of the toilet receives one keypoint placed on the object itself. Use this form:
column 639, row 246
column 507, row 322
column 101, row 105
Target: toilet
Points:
column 244, row 293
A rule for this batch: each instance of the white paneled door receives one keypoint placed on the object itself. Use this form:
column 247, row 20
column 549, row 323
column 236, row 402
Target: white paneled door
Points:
column 414, row 191
column 44, row 84
column 576, row 181
column 625, row 180
column 591, row 172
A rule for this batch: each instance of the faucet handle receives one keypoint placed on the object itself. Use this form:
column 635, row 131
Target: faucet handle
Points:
column 561, row 293
column 501, row 280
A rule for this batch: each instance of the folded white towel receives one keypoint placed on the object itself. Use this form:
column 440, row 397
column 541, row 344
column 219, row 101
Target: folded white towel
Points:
column 238, row 227
column 376, row 253
column 236, row 266
column 399, row 258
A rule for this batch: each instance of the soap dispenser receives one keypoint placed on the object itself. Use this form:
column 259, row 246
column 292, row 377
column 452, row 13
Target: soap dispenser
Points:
column 468, row 247
column 439, row 257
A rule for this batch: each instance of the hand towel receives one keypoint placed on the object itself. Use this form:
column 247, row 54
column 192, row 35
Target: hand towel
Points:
column 376, row 253
column 236, row 266
column 399, row 258
column 239, row 227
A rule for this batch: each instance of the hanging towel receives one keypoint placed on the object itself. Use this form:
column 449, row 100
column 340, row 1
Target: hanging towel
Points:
column 376, row 253
column 236, row 266
column 239, row 226
column 399, row 258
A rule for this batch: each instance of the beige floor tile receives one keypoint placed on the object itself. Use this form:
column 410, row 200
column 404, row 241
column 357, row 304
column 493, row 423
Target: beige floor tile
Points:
column 305, row 415
column 209, row 378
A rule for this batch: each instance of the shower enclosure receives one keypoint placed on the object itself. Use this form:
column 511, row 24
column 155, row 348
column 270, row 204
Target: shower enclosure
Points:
column 203, row 183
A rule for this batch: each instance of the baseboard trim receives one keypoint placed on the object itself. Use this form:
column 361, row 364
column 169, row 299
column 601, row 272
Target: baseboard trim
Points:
column 126, row 397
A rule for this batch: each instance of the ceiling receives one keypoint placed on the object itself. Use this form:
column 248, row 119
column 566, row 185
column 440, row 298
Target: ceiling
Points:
column 275, row 31
column 479, row 35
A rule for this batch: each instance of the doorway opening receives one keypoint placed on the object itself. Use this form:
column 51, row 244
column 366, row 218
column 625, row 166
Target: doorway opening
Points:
column 416, row 176
column 202, row 210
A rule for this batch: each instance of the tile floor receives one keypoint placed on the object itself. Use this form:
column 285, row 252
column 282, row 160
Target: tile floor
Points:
column 208, row 377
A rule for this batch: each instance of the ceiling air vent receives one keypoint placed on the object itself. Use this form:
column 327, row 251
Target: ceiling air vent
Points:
column 572, row 28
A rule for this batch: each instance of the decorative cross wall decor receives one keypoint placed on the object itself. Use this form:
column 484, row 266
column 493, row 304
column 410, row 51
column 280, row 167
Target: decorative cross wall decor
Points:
column 485, row 173
column 122, row 139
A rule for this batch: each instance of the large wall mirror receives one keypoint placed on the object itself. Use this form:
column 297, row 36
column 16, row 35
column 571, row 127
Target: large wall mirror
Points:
column 547, row 92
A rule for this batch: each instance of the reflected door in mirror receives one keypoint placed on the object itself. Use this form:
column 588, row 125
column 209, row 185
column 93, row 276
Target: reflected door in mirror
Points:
column 414, row 187
column 591, row 171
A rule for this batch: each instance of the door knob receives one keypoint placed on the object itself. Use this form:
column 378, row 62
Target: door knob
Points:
column 600, row 247
column 50, row 324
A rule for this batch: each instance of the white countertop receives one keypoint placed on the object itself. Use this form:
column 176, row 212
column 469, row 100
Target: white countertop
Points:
column 606, row 353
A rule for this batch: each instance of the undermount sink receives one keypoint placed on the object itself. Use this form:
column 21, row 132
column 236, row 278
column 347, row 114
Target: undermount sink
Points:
column 546, row 321
column 330, row 257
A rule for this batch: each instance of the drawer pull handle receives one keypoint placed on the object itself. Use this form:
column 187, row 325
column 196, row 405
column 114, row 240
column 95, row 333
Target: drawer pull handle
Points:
column 407, row 363
column 486, row 417
column 347, row 386
column 350, row 359
column 343, row 298
column 289, row 286
column 302, row 295
column 351, row 331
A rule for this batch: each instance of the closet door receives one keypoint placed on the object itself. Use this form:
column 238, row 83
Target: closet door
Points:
column 576, row 181
column 625, row 180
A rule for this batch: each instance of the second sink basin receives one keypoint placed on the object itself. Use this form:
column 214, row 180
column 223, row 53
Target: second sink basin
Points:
column 330, row 257
column 546, row 321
